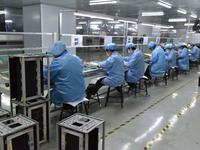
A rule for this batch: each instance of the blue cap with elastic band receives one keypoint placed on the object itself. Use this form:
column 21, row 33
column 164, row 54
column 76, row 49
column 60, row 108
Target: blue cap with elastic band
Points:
column 111, row 46
column 57, row 48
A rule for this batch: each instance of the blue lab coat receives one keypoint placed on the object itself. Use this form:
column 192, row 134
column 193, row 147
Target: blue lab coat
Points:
column 158, row 66
column 114, row 67
column 135, row 65
column 170, row 57
column 66, row 72
column 194, row 53
column 183, row 59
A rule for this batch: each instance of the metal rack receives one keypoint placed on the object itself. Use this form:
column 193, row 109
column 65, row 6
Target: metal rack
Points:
column 19, row 132
column 4, row 113
column 80, row 132
column 22, row 84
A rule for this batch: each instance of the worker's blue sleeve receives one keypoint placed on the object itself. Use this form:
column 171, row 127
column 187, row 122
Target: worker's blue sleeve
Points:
column 107, row 63
column 154, row 57
column 182, row 54
column 132, row 62
column 193, row 51
column 54, row 69
column 169, row 57
column 166, row 53
column 127, row 58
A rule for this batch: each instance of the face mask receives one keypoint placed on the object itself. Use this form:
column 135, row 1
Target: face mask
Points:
column 130, row 52
column 180, row 50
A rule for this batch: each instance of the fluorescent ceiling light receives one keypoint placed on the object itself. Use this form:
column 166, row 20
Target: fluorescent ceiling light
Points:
column 83, row 22
column 165, row 4
column 119, row 25
column 132, row 29
column 94, row 26
column 157, row 25
column 79, row 28
column 159, row 13
column 96, row 22
column 3, row 12
column 177, row 20
column 127, row 21
column 174, row 31
column 114, row 21
column 101, row 2
column 8, row 21
column 164, row 30
column 146, row 24
column 93, row 16
column 188, row 24
column 182, row 11
column 193, row 15
column 165, row 27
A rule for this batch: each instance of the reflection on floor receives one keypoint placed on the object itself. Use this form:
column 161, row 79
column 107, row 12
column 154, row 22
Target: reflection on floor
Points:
column 147, row 116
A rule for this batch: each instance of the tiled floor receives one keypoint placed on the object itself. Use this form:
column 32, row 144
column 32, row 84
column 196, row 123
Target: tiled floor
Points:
column 183, row 133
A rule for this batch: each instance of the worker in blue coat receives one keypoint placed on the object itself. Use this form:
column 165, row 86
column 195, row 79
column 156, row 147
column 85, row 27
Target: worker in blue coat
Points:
column 194, row 52
column 135, row 64
column 170, row 56
column 157, row 61
column 183, row 57
column 66, row 73
column 114, row 67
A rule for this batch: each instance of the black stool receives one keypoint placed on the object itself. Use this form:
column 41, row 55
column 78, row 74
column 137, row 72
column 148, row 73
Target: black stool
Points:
column 119, row 89
column 143, row 80
column 174, row 70
column 72, row 106
column 195, row 62
column 164, row 78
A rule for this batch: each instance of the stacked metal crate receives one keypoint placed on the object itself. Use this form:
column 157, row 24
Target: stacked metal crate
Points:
column 19, row 132
column 80, row 132
column 27, row 91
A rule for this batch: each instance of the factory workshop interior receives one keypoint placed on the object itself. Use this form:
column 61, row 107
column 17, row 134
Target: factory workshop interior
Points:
column 99, row 74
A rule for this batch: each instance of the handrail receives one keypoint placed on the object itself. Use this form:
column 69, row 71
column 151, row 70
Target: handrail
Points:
column 25, row 33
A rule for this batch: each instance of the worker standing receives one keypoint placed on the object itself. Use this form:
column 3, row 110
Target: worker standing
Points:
column 135, row 65
column 114, row 67
column 66, row 73
column 157, row 61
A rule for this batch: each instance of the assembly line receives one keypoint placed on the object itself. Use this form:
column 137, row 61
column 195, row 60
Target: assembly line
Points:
column 99, row 75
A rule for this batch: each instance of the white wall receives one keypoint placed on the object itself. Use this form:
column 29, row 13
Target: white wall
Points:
column 32, row 23
column 44, row 18
column 181, row 33
column 145, row 30
column 50, row 23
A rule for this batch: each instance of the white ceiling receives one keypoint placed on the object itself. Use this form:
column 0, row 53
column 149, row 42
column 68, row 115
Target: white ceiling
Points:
column 125, row 8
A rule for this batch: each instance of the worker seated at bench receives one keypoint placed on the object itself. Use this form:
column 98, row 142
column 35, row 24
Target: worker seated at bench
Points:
column 194, row 52
column 157, row 62
column 66, row 73
column 114, row 67
column 170, row 57
column 135, row 65
column 182, row 57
